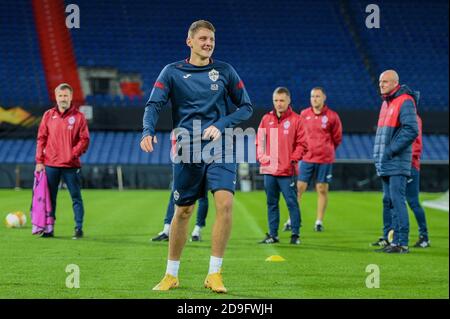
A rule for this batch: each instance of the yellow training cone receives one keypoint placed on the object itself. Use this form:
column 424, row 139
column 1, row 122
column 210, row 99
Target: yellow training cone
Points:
column 275, row 258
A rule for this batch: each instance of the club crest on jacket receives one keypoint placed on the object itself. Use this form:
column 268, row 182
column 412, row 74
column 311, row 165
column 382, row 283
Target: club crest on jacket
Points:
column 213, row 75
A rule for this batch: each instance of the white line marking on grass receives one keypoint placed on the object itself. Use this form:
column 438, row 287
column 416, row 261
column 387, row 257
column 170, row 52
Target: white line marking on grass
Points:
column 253, row 226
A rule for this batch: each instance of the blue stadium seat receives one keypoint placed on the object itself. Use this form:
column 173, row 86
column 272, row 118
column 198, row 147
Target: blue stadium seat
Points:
column 123, row 148
column 313, row 47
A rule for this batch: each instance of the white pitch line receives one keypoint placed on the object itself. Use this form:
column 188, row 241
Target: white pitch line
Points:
column 253, row 225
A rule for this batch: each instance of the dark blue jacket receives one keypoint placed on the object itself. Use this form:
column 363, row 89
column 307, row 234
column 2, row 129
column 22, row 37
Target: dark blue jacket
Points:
column 198, row 93
column 396, row 132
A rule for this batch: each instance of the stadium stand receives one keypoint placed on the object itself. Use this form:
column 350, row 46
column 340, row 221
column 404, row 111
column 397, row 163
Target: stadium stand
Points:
column 22, row 78
column 123, row 148
column 298, row 44
column 311, row 24
column 414, row 42
column 309, row 41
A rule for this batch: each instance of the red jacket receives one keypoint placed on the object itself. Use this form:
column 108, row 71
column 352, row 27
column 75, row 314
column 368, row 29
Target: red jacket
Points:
column 62, row 138
column 323, row 135
column 280, row 143
column 417, row 146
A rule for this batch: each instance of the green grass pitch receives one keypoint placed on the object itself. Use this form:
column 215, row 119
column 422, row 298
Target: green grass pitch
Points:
column 116, row 259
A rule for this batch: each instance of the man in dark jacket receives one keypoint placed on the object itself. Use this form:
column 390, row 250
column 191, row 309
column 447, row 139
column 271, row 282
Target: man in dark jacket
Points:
column 396, row 132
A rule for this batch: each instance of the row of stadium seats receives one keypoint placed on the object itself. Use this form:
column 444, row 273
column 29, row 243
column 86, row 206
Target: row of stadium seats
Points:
column 412, row 39
column 301, row 61
column 298, row 44
column 123, row 148
column 22, row 78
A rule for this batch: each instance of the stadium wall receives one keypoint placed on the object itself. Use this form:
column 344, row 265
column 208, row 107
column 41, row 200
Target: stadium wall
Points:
column 346, row 176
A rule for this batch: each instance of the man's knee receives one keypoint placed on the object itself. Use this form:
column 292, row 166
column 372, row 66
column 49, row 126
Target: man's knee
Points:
column 322, row 188
column 184, row 212
column 301, row 188
column 224, row 201
column 413, row 202
column 76, row 195
column 386, row 201
column 272, row 204
column 225, row 207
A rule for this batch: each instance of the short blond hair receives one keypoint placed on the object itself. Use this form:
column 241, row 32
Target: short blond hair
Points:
column 64, row 86
column 196, row 25
column 282, row 90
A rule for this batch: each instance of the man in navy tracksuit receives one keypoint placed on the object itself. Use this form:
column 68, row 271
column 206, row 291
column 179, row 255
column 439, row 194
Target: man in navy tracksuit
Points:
column 413, row 188
column 412, row 198
column 198, row 89
column 396, row 132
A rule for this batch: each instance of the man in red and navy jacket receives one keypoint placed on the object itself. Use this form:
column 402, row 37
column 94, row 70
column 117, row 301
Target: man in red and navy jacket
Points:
column 63, row 137
column 323, row 130
column 396, row 132
column 280, row 145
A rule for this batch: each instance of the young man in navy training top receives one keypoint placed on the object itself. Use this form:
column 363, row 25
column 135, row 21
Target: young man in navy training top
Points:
column 198, row 88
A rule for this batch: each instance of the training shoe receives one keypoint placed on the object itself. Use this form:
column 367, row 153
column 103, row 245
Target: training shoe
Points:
column 168, row 282
column 215, row 283
column 287, row 227
column 295, row 239
column 383, row 249
column 318, row 227
column 269, row 240
column 381, row 242
column 196, row 238
column 422, row 243
column 396, row 250
column 47, row 235
column 162, row 236
column 77, row 234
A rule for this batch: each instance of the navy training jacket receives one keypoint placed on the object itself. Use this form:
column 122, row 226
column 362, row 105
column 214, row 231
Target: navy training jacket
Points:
column 397, row 129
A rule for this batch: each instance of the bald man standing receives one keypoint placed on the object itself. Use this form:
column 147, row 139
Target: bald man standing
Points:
column 397, row 129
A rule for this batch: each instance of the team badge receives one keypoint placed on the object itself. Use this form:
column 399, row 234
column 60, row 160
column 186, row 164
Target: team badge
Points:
column 213, row 75
column 287, row 124
column 176, row 195
column 324, row 121
column 71, row 120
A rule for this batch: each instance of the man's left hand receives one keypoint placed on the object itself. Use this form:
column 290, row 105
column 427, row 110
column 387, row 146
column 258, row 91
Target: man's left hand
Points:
column 211, row 133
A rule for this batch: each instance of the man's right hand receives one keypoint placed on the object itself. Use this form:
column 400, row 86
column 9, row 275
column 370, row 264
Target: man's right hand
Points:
column 264, row 159
column 39, row 167
column 147, row 143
